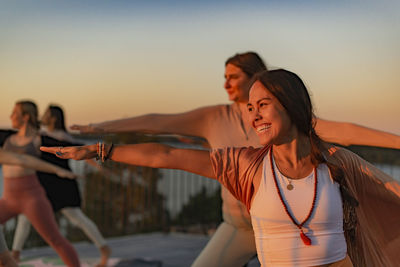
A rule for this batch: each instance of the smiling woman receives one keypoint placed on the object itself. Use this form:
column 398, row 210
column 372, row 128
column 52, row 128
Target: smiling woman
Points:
column 233, row 244
column 306, row 225
column 265, row 108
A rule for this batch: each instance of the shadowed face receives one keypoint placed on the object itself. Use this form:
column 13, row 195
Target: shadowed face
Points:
column 46, row 119
column 17, row 118
column 268, row 117
column 236, row 83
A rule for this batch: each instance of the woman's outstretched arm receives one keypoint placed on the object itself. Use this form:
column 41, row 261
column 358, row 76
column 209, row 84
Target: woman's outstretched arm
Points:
column 191, row 123
column 149, row 154
column 346, row 134
column 31, row 162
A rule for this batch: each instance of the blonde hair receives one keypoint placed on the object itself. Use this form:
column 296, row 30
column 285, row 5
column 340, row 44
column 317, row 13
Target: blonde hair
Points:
column 30, row 108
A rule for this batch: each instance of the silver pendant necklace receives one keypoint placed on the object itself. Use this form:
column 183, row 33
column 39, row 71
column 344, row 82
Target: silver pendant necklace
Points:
column 289, row 185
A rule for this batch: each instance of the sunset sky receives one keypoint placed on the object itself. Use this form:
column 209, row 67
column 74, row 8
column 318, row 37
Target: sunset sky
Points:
column 104, row 60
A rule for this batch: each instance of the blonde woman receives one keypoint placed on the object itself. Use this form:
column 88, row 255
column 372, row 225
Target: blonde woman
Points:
column 30, row 162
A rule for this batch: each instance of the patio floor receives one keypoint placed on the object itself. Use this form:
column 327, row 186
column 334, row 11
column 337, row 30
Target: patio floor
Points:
column 153, row 249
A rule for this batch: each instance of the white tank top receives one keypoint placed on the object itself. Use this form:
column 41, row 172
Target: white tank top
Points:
column 278, row 239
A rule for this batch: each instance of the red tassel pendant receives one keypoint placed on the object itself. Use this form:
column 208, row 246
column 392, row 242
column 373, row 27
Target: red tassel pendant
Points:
column 306, row 239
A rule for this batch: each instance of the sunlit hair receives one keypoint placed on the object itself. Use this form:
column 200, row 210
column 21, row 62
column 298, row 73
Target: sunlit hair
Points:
column 29, row 108
column 57, row 113
column 291, row 92
column 249, row 62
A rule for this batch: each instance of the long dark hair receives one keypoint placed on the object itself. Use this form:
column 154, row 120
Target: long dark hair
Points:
column 249, row 62
column 291, row 92
column 58, row 114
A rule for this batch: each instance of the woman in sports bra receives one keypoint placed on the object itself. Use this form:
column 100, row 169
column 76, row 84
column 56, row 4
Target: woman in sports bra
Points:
column 311, row 203
column 26, row 161
column 22, row 190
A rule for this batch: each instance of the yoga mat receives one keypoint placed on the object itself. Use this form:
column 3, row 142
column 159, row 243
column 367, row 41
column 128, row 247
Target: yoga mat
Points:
column 112, row 262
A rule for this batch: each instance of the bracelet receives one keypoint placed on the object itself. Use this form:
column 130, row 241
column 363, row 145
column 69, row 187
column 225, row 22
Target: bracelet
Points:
column 102, row 152
column 99, row 150
column 108, row 154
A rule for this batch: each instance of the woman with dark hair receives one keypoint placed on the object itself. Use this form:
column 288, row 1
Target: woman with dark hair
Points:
column 311, row 203
column 227, row 125
column 63, row 194
column 22, row 190
column 54, row 119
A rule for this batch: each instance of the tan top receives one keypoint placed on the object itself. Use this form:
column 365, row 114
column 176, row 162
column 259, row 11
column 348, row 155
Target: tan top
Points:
column 226, row 129
column 376, row 219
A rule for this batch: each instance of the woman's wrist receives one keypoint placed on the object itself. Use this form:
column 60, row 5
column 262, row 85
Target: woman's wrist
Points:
column 92, row 151
column 101, row 151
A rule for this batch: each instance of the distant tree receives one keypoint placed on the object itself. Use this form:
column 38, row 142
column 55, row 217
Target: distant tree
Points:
column 202, row 209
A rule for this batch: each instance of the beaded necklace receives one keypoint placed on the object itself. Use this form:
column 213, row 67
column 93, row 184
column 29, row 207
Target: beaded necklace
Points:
column 306, row 240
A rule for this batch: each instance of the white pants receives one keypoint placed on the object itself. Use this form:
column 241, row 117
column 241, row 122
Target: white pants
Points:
column 73, row 214
column 228, row 247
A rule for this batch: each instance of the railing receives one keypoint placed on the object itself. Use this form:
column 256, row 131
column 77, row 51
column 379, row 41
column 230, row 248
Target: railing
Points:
column 128, row 199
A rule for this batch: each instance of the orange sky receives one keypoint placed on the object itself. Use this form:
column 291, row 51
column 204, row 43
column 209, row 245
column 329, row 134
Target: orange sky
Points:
column 107, row 62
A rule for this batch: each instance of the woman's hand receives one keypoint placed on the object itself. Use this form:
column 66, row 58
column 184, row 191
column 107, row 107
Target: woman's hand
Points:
column 65, row 173
column 72, row 152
